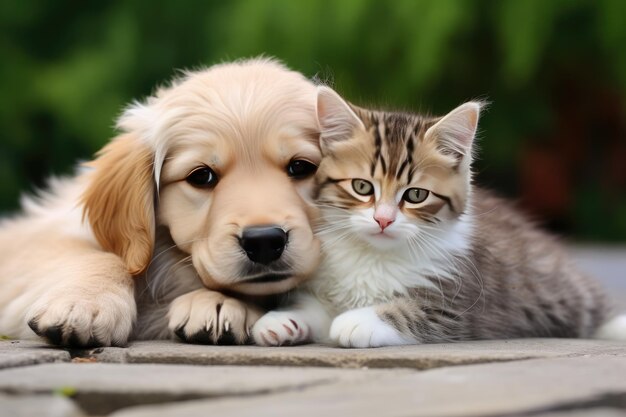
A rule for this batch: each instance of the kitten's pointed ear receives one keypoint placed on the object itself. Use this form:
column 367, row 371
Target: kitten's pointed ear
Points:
column 455, row 132
column 336, row 119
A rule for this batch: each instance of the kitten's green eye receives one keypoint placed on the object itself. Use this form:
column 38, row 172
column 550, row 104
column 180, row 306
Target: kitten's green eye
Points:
column 362, row 187
column 415, row 195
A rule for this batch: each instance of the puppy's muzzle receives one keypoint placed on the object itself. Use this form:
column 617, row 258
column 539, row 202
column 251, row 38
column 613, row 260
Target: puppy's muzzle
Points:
column 263, row 244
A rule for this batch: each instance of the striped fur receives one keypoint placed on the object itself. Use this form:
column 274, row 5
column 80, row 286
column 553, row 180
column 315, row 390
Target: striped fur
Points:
column 463, row 265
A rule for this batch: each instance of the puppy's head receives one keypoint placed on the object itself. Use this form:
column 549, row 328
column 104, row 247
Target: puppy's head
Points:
column 224, row 158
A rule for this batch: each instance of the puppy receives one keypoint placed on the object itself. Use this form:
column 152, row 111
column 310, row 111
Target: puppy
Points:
column 200, row 202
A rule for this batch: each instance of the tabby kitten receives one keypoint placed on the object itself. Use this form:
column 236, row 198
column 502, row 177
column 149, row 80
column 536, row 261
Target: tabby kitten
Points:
column 414, row 253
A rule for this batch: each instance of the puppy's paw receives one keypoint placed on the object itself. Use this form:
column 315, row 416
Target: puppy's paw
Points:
column 278, row 328
column 208, row 317
column 78, row 320
column 362, row 328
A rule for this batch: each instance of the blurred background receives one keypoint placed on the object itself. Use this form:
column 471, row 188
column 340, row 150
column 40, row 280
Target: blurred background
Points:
column 554, row 71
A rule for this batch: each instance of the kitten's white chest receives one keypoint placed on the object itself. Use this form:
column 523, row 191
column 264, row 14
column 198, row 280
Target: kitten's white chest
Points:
column 358, row 275
column 352, row 277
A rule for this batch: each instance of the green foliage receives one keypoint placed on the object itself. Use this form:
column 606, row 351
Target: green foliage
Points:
column 68, row 68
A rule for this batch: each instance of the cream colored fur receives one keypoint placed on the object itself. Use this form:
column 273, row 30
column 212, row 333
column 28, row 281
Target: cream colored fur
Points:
column 70, row 260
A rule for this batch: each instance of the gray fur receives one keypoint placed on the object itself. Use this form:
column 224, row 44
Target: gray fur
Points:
column 516, row 282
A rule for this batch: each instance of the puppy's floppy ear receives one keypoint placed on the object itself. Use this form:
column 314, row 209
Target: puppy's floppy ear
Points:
column 119, row 201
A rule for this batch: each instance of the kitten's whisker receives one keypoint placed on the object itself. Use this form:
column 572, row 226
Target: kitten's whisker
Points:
column 471, row 268
column 415, row 247
column 459, row 256
column 457, row 260
column 331, row 230
column 456, row 257
column 420, row 241
column 337, row 239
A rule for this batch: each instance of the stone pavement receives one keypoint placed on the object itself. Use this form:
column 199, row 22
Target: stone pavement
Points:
column 530, row 377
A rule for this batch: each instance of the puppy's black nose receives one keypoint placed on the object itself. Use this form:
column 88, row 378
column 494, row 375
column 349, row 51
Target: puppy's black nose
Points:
column 263, row 244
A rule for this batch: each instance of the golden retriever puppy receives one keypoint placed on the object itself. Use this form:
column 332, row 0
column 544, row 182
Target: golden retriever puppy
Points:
column 201, row 202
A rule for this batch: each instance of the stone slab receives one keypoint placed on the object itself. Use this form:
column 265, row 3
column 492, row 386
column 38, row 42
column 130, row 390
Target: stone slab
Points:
column 416, row 357
column 38, row 405
column 101, row 388
column 21, row 352
column 521, row 388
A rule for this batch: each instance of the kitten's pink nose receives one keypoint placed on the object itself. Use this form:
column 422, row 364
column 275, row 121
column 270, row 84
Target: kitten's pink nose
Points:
column 383, row 222
column 384, row 215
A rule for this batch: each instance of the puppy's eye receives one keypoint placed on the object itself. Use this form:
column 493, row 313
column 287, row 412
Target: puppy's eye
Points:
column 415, row 195
column 202, row 177
column 362, row 187
column 300, row 169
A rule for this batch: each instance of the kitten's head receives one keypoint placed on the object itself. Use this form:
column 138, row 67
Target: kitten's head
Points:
column 388, row 178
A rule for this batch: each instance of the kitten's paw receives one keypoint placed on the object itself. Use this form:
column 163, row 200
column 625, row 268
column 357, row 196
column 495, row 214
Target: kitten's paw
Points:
column 72, row 319
column 278, row 328
column 209, row 317
column 362, row 328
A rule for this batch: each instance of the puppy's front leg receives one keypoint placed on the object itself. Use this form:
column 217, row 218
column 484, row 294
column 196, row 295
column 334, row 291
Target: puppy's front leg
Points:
column 209, row 317
column 88, row 301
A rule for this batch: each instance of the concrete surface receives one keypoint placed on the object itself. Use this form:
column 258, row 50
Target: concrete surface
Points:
column 38, row 405
column 21, row 352
column 416, row 357
column 476, row 390
column 102, row 388
column 509, row 378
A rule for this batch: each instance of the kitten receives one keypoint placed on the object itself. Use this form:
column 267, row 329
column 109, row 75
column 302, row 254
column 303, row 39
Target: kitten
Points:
column 414, row 253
